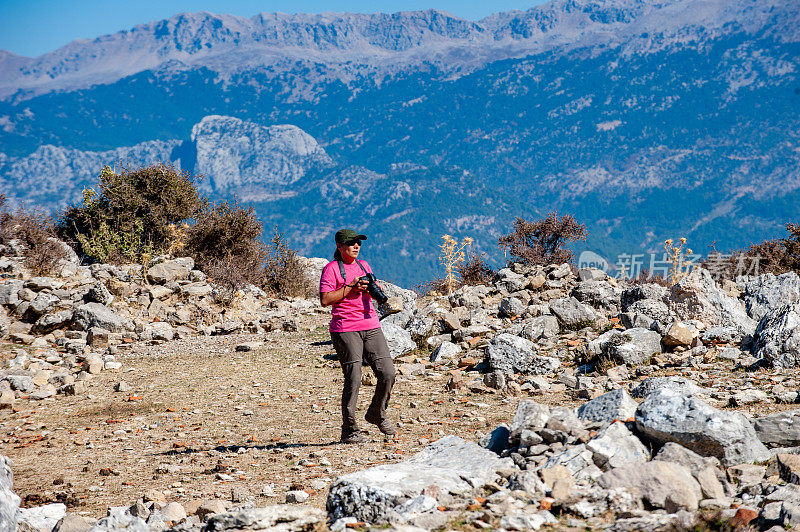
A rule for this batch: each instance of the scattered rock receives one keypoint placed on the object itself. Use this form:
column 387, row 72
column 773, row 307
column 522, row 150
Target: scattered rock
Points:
column 768, row 292
column 777, row 338
column 616, row 446
column 452, row 464
column 696, row 297
column 96, row 315
column 614, row 405
column 781, row 429
column 661, row 484
column 278, row 517
column 667, row 415
column 398, row 339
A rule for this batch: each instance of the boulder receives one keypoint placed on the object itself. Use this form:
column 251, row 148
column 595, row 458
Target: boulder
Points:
column 200, row 289
column 510, row 281
column 41, row 304
column 598, row 294
column 641, row 292
column 283, row 517
column 529, row 415
column 540, row 365
column 649, row 311
column 722, row 335
column 616, row 404
column 42, row 518
column 661, row 484
column 667, row 415
column 398, row 339
column 37, row 284
column 789, row 467
column 578, row 459
column 9, row 290
column 616, row 446
column 98, row 293
column 159, row 330
column 120, row 519
column 705, row 470
column 9, row 501
column 768, row 292
column 444, row 352
column 573, row 314
column 540, row 327
column 453, row 465
column 74, row 523
column 51, row 321
column 91, row 315
column 777, row 338
column 680, row 334
column 508, row 353
column 677, row 453
column 510, row 307
column 591, row 274
column 697, row 297
column 633, row 346
column 170, row 270
column 679, row 384
column 781, row 429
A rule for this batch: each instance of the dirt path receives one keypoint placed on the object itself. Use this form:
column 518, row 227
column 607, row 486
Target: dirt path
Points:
column 201, row 420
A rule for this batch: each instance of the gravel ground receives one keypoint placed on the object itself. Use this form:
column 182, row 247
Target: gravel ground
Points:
column 201, row 420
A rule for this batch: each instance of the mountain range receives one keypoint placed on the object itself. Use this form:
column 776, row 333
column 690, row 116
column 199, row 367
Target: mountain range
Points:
column 646, row 120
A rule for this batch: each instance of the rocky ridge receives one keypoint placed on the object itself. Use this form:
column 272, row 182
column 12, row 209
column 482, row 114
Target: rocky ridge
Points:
column 658, row 463
column 227, row 44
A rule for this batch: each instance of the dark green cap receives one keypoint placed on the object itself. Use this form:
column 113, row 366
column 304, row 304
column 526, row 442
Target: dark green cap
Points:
column 343, row 236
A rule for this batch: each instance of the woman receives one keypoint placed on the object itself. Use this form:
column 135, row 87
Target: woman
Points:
column 356, row 334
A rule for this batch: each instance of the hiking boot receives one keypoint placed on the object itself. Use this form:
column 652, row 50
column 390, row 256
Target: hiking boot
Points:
column 384, row 425
column 354, row 436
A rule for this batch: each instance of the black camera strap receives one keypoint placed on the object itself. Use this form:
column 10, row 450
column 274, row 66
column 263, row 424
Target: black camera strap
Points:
column 341, row 269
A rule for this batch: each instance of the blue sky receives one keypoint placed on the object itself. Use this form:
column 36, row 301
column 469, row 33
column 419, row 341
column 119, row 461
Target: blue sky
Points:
column 34, row 27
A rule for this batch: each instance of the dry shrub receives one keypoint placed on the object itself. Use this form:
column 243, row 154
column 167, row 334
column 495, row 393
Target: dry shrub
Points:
column 644, row 277
column 226, row 244
column 131, row 214
column 35, row 230
column 435, row 287
column 475, row 271
column 776, row 256
column 541, row 242
column 284, row 274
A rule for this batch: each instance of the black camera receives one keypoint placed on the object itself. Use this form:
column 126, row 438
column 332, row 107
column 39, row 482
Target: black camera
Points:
column 373, row 288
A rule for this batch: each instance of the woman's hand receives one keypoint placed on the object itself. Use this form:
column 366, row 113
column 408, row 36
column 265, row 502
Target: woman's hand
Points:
column 331, row 298
column 361, row 285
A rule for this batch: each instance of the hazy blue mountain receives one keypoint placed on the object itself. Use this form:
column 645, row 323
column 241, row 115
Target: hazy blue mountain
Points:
column 645, row 119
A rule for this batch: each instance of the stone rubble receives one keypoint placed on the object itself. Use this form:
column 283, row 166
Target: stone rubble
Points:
column 653, row 464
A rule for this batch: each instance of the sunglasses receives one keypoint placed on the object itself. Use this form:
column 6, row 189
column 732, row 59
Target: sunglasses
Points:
column 353, row 243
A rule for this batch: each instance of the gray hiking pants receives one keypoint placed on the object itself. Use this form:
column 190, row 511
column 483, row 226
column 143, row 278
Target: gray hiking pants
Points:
column 354, row 349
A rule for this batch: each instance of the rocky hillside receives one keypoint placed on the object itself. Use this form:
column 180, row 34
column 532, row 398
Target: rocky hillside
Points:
column 609, row 110
column 632, row 407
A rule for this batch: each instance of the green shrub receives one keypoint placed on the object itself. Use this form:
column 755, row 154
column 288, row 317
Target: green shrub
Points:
column 225, row 243
column 35, row 230
column 131, row 214
column 542, row 242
